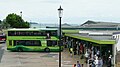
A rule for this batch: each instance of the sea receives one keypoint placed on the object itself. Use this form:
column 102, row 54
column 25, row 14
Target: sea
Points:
column 37, row 25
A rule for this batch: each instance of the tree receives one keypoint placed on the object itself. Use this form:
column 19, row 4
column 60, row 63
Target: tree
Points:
column 5, row 24
column 16, row 21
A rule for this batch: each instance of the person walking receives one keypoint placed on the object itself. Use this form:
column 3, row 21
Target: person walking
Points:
column 78, row 64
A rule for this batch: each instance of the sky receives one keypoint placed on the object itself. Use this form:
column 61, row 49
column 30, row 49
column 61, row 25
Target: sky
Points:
column 74, row 11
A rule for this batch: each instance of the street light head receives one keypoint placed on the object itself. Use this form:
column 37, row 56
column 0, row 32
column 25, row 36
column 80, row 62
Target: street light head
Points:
column 21, row 14
column 60, row 10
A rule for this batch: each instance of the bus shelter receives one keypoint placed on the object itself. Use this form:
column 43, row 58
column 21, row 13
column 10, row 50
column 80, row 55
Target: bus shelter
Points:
column 102, row 43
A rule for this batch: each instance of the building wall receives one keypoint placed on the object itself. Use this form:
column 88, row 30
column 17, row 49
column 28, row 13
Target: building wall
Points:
column 117, row 37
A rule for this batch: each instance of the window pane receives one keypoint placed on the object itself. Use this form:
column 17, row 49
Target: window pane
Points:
column 32, row 33
column 10, row 42
column 27, row 42
column 51, row 42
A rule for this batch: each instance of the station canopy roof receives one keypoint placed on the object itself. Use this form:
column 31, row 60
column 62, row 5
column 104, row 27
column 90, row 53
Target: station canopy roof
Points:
column 99, row 39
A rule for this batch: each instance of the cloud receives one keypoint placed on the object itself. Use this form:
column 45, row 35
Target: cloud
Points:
column 73, row 10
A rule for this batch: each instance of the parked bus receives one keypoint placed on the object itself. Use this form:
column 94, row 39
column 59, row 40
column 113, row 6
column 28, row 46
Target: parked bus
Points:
column 32, row 39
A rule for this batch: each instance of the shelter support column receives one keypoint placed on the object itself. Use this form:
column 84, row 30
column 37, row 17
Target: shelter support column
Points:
column 114, row 54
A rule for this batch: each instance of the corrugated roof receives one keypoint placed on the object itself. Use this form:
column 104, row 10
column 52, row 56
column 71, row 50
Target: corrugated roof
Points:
column 97, row 37
column 93, row 24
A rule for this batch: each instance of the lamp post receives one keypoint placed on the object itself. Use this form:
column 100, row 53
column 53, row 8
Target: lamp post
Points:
column 21, row 14
column 60, row 10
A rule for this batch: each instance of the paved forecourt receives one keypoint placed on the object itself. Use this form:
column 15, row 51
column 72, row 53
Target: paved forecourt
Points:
column 34, row 59
column 28, row 59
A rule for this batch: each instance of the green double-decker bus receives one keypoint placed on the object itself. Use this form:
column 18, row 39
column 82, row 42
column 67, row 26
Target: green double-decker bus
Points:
column 32, row 39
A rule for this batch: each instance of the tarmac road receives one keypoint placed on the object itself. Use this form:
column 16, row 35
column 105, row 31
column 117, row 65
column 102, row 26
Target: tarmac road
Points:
column 32, row 59
column 2, row 48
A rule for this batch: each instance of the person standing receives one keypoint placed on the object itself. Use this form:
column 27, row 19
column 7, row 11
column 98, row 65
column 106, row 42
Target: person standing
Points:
column 86, row 56
column 101, row 62
column 78, row 49
column 97, row 62
column 81, row 48
column 98, row 53
column 109, row 63
column 74, row 48
column 71, row 51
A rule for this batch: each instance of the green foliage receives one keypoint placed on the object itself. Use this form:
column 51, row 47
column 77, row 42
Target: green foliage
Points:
column 16, row 21
column 5, row 24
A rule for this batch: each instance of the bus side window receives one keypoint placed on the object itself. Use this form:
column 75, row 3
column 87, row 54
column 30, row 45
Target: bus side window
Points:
column 54, row 42
column 49, row 43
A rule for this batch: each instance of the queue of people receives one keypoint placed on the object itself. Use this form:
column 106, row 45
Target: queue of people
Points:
column 94, row 57
column 95, row 60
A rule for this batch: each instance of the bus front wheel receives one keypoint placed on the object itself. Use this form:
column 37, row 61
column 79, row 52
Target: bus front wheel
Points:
column 47, row 50
column 19, row 49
